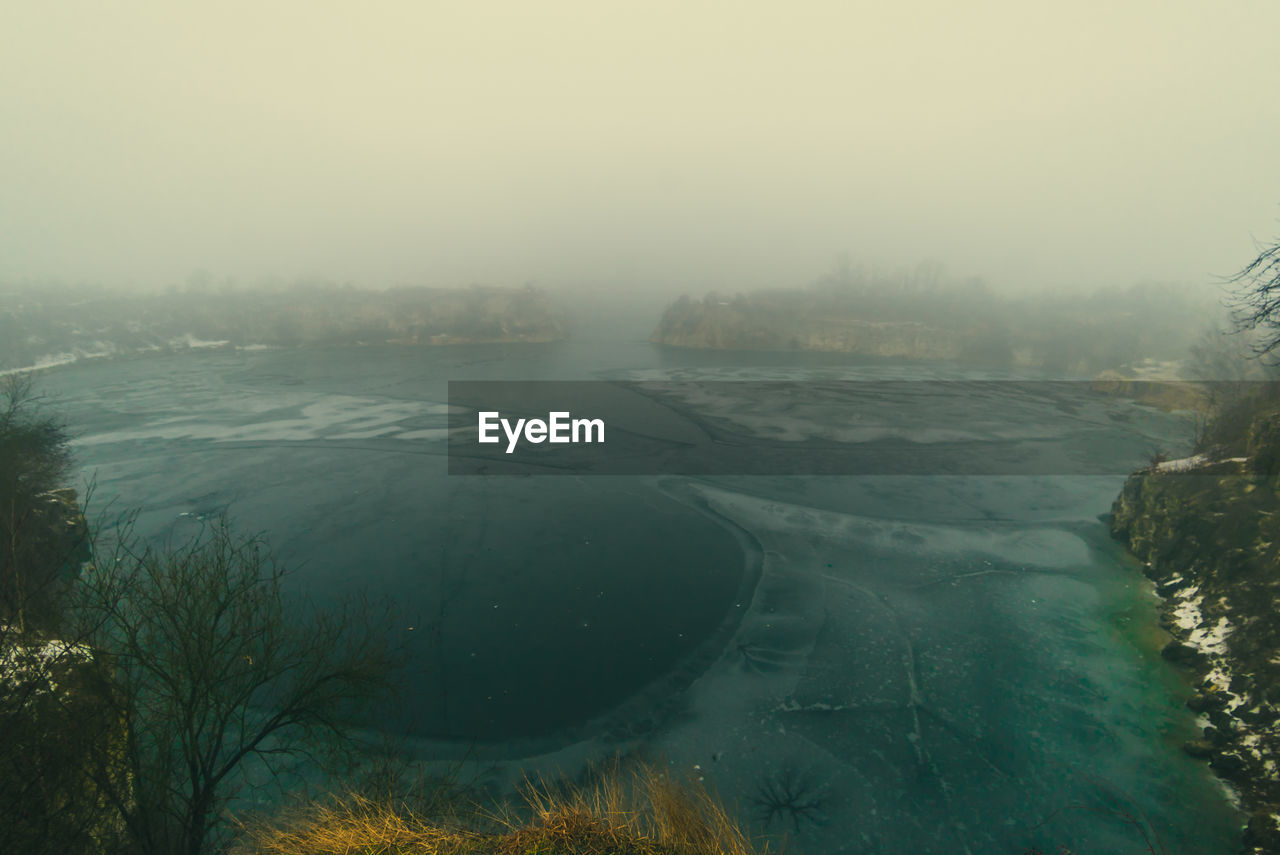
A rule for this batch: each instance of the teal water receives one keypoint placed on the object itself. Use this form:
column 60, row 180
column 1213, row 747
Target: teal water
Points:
column 941, row 664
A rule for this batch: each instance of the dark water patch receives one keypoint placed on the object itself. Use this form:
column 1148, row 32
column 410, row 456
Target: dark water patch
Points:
column 552, row 605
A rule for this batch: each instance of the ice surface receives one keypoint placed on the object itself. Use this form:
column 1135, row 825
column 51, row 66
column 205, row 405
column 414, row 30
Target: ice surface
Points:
column 932, row 664
column 912, row 678
column 295, row 417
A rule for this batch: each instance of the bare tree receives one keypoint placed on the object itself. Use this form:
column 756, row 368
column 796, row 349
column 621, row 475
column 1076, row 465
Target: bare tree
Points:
column 1255, row 301
column 214, row 667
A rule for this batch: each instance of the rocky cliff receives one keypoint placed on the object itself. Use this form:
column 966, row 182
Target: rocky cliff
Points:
column 1207, row 530
column 736, row 327
column 1071, row 336
column 775, row 322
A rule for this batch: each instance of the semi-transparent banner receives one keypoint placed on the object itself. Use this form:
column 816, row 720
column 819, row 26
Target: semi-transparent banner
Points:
column 881, row 427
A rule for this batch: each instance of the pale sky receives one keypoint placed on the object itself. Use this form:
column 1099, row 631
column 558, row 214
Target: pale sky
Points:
column 655, row 145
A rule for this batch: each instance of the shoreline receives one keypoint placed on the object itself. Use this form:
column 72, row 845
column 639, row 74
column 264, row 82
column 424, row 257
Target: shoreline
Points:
column 228, row 347
column 1171, row 521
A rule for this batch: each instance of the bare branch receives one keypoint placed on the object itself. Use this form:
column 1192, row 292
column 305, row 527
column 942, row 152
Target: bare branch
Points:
column 1255, row 300
column 216, row 664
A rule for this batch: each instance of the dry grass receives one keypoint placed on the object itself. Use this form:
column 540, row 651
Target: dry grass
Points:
column 354, row 826
column 646, row 812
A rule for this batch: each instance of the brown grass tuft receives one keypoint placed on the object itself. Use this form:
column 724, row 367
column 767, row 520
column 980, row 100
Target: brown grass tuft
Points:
column 647, row 812
column 354, row 825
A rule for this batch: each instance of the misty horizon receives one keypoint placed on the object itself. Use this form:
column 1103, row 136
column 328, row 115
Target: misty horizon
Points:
column 668, row 150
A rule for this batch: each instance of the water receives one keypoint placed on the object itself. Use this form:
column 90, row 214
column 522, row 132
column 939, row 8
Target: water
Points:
column 931, row 664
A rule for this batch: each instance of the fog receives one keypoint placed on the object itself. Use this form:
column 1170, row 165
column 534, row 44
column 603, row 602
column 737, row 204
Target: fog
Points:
column 662, row 147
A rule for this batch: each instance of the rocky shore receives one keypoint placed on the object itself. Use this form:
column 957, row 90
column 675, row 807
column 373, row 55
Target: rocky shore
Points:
column 1207, row 530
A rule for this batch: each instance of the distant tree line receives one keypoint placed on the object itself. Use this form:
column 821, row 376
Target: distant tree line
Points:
column 44, row 325
column 1065, row 334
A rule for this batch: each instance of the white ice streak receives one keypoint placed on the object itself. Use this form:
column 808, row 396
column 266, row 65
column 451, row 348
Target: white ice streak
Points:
column 53, row 360
column 856, row 418
column 334, row 417
column 191, row 342
column 1046, row 547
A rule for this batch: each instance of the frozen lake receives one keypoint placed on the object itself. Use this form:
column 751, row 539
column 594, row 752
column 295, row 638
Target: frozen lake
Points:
column 921, row 663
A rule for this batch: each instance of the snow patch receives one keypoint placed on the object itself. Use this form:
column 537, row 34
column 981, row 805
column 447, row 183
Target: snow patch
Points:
column 1219, row 678
column 35, row 660
column 1187, row 614
column 1183, row 464
column 1196, row 461
column 1211, row 640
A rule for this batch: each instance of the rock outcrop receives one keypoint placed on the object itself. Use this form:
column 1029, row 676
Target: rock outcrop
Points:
column 1166, row 394
column 745, row 325
column 1067, row 336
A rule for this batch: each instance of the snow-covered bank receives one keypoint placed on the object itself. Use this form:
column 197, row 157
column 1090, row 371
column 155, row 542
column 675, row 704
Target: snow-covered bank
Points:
column 1204, row 528
column 107, row 350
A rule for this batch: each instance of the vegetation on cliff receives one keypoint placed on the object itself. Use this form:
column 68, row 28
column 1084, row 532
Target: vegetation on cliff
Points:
column 42, row 533
column 50, row 720
column 1207, row 529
